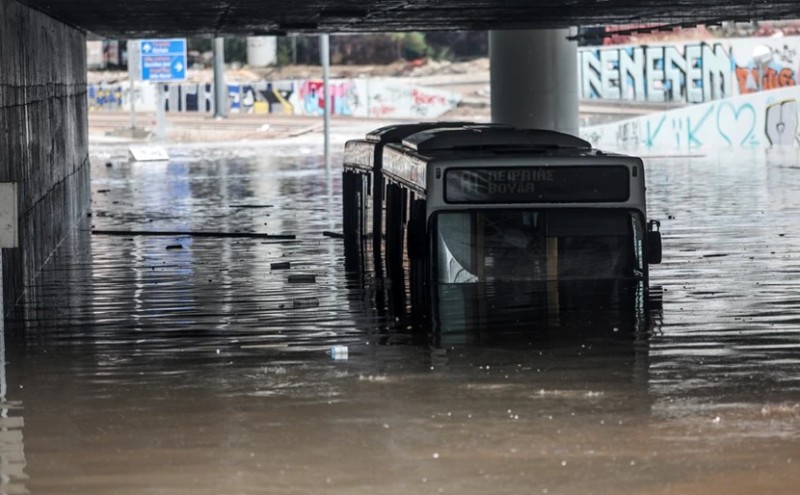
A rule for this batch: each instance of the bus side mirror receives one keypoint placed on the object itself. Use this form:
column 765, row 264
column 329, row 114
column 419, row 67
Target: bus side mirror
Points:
column 653, row 242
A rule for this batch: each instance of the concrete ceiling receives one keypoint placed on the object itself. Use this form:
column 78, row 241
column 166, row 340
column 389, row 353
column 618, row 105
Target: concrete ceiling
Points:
column 138, row 18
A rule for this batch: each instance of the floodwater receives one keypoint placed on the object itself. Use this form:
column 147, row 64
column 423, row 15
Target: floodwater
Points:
column 147, row 364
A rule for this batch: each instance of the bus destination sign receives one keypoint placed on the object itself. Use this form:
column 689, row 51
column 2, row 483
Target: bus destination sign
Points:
column 559, row 184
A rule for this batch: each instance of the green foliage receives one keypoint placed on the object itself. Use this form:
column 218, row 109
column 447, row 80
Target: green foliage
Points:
column 440, row 52
column 199, row 43
column 458, row 45
column 298, row 49
column 284, row 51
column 414, row 46
column 235, row 48
column 359, row 49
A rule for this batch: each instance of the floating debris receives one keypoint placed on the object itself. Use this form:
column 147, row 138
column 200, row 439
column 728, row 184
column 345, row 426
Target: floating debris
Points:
column 305, row 302
column 194, row 233
column 339, row 352
column 148, row 153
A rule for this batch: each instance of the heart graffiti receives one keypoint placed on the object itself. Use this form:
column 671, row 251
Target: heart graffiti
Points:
column 737, row 125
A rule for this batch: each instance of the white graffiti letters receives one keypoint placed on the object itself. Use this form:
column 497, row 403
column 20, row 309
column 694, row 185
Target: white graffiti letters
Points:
column 691, row 73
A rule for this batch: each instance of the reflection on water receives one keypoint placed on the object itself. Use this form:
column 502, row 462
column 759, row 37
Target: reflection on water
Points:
column 12, row 422
column 524, row 313
column 164, row 364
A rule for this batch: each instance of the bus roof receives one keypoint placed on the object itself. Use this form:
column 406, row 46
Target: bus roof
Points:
column 397, row 132
column 488, row 137
column 358, row 153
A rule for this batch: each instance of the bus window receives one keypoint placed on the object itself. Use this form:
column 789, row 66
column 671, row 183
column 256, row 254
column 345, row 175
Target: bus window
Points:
column 592, row 244
column 591, row 257
column 512, row 246
column 535, row 245
column 455, row 249
column 489, row 245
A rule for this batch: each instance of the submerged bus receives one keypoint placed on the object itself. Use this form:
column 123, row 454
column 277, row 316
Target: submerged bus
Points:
column 492, row 223
column 364, row 188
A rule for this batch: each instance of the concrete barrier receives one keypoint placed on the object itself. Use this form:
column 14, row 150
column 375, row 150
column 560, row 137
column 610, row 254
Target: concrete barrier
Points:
column 362, row 97
column 768, row 118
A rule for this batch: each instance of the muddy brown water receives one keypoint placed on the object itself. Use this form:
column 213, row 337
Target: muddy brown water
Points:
column 175, row 364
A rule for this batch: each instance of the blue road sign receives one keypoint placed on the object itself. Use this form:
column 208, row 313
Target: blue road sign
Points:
column 163, row 60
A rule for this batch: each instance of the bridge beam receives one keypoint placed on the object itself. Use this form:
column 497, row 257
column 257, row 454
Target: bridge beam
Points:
column 534, row 79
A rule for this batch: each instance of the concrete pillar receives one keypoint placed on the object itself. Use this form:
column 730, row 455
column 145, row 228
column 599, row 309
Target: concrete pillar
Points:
column 262, row 51
column 325, row 60
column 534, row 79
column 220, row 86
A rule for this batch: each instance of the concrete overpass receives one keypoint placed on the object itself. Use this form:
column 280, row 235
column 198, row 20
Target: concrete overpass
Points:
column 43, row 108
column 122, row 19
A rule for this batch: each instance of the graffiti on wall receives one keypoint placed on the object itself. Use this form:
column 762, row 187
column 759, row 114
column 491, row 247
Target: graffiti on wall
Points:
column 344, row 97
column 356, row 97
column 764, row 118
column 719, row 124
column 781, row 123
column 278, row 96
column 397, row 99
column 187, row 97
column 692, row 73
column 105, row 97
column 688, row 72
column 769, row 67
column 260, row 98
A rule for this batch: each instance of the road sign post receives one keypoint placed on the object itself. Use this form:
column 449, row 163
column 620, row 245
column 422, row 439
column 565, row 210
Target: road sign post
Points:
column 162, row 61
column 134, row 74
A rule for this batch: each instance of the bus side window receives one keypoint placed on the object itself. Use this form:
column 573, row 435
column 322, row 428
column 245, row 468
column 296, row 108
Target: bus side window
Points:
column 394, row 229
column 416, row 230
column 352, row 215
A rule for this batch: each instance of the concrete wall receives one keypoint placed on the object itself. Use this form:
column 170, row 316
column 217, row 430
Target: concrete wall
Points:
column 383, row 97
column 43, row 135
column 766, row 118
column 689, row 71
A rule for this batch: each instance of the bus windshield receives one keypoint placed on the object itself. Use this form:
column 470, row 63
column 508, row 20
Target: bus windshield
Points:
column 496, row 245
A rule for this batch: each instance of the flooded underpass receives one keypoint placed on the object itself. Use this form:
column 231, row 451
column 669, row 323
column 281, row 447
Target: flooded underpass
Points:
column 202, row 363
